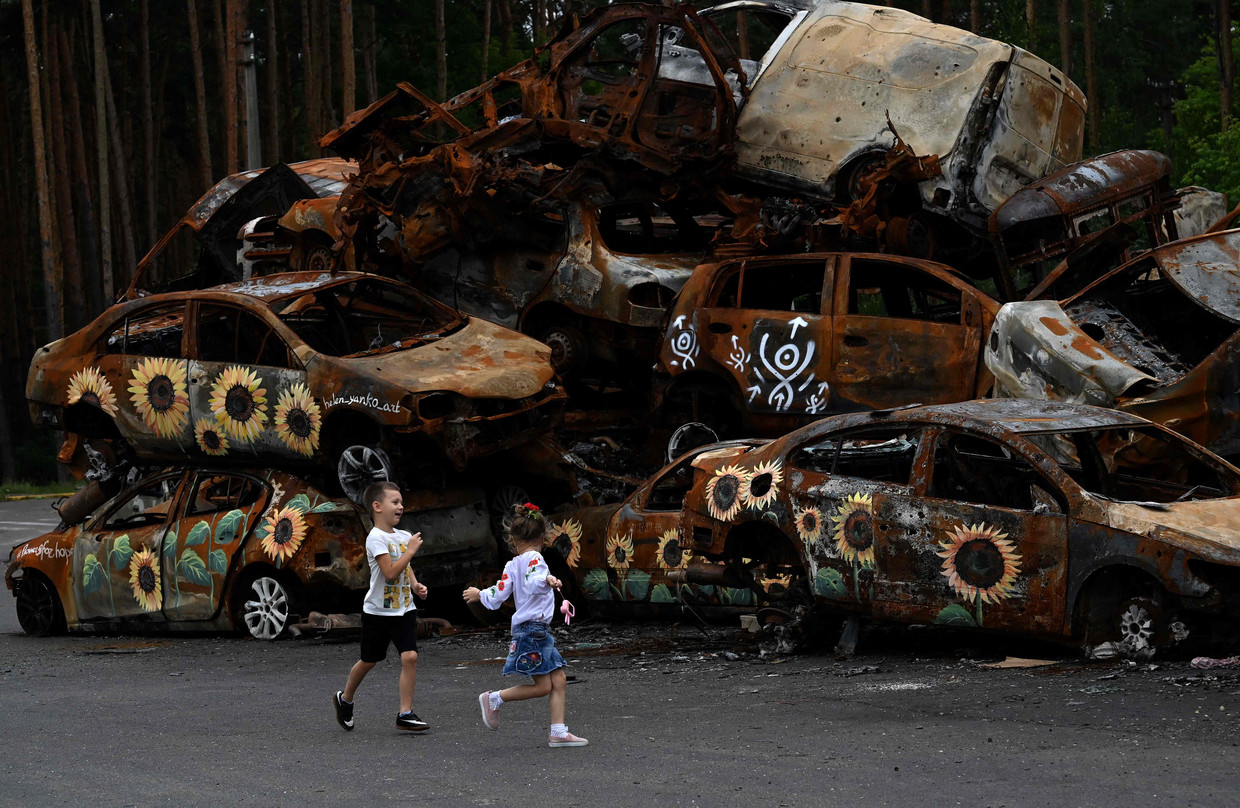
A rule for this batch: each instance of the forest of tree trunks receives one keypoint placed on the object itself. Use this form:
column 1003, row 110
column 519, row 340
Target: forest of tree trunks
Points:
column 118, row 114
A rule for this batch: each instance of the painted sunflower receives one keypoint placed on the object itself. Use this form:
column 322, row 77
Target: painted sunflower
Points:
column 809, row 525
column 298, row 420
column 979, row 562
column 854, row 530
column 565, row 539
column 210, row 438
column 672, row 554
column 762, row 485
column 158, row 392
column 286, row 529
column 144, row 580
column 239, row 402
column 723, row 492
column 776, row 582
column 620, row 552
column 89, row 385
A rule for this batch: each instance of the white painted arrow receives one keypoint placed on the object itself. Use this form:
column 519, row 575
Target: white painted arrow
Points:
column 678, row 321
column 753, row 392
column 797, row 323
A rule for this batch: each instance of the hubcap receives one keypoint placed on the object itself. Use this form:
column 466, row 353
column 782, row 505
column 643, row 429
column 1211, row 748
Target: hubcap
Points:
column 1136, row 627
column 266, row 614
column 360, row 466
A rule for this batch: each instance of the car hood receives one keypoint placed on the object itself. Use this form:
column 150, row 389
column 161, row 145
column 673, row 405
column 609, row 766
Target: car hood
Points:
column 1036, row 351
column 481, row 360
column 1209, row 528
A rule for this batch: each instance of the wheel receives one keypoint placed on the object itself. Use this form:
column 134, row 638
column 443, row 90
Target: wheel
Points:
column 502, row 502
column 314, row 254
column 1135, row 625
column 1140, row 625
column 689, row 436
column 569, row 350
column 358, row 467
column 266, row 608
column 38, row 606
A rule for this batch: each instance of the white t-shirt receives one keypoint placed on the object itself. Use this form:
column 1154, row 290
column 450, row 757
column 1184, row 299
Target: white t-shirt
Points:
column 525, row 579
column 383, row 598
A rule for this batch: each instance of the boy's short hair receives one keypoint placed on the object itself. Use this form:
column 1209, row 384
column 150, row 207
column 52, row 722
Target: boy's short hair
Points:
column 374, row 492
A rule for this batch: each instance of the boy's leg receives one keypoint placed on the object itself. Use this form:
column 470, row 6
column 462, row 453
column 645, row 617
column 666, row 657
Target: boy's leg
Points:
column 356, row 674
column 408, row 679
column 559, row 684
column 540, row 688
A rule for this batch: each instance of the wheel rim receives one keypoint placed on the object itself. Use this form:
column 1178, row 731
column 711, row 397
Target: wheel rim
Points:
column 36, row 608
column 360, row 466
column 266, row 613
column 319, row 259
column 562, row 350
column 501, row 505
column 1136, row 626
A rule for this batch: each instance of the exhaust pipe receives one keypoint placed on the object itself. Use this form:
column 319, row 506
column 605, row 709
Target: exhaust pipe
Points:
column 701, row 572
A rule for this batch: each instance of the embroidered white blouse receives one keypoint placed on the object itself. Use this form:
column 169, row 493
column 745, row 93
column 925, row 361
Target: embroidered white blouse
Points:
column 525, row 579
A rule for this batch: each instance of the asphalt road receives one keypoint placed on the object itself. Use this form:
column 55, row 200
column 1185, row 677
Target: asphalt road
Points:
column 676, row 715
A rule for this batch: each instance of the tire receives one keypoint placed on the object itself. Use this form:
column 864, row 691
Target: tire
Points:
column 1133, row 618
column 358, row 466
column 570, row 353
column 502, row 501
column 314, row 253
column 38, row 606
column 264, row 607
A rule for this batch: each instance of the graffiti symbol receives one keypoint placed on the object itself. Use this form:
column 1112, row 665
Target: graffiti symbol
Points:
column 739, row 355
column 684, row 344
column 818, row 401
column 786, row 365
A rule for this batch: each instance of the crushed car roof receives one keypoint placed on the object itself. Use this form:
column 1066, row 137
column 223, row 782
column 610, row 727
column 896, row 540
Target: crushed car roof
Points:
column 284, row 284
column 1207, row 269
column 1016, row 415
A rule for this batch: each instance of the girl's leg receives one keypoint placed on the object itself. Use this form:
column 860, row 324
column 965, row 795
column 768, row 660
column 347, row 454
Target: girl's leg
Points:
column 356, row 674
column 541, row 687
column 559, row 684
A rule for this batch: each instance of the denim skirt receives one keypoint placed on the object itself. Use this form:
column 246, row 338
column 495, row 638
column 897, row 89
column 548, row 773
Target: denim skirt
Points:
column 532, row 650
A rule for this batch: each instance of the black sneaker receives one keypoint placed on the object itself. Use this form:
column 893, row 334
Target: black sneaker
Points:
column 344, row 711
column 410, row 721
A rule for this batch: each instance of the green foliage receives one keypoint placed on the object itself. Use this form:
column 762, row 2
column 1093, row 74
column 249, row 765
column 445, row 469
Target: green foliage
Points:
column 829, row 583
column 191, row 568
column 226, row 529
column 596, row 585
column 661, row 594
column 637, row 584
column 1208, row 156
column 93, row 574
column 120, row 553
column 955, row 615
column 197, row 534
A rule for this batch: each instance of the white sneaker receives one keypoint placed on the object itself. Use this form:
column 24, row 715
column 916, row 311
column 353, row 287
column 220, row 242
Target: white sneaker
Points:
column 566, row 740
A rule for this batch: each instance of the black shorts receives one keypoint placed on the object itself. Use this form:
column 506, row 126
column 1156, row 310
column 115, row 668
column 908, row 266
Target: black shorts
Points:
column 378, row 630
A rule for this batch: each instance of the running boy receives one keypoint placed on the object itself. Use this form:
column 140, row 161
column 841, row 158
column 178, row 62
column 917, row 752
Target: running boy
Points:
column 388, row 613
column 532, row 651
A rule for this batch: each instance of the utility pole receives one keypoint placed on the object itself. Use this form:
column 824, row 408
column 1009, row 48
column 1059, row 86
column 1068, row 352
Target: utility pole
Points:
column 253, row 145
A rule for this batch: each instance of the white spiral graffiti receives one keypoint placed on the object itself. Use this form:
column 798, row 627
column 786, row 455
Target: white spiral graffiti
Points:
column 786, row 365
column 739, row 355
column 685, row 345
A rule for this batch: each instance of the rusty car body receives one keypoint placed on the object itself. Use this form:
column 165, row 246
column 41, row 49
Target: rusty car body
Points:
column 787, row 339
column 352, row 370
column 1041, row 519
column 1156, row 337
column 220, row 549
column 202, row 249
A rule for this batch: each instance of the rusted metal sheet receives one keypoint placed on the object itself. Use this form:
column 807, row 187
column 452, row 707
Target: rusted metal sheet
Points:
column 797, row 337
column 985, row 514
column 295, row 369
column 1157, row 336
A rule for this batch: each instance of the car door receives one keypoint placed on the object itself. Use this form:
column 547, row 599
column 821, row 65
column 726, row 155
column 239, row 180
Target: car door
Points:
column 118, row 560
column 248, row 391
column 217, row 514
column 763, row 325
column 903, row 335
column 142, row 363
column 986, row 546
column 644, row 541
column 840, row 477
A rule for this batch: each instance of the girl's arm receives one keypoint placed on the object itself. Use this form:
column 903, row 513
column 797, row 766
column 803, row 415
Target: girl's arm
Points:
column 492, row 596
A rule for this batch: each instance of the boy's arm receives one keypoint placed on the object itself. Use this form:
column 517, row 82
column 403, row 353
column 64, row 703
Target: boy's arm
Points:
column 392, row 569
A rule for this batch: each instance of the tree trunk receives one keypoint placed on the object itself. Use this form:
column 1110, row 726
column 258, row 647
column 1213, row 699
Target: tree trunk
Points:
column 288, row 103
column 927, row 9
column 1065, row 37
column 123, row 198
column 200, row 90
column 273, row 88
column 348, row 64
column 1226, row 73
column 370, row 42
column 231, row 77
column 101, row 143
column 486, row 40
column 58, row 177
column 505, row 19
column 148, row 123
column 975, row 16
column 8, row 463
column 742, row 35
column 81, row 182
column 311, row 82
column 221, row 61
column 1091, row 76
column 51, row 270
column 323, row 24
column 441, row 53
column 1031, row 23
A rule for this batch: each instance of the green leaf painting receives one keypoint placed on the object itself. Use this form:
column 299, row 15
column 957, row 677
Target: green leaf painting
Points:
column 170, row 544
column 829, row 583
column 955, row 615
column 661, row 594
column 299, row 503
column 219, row 562
column 637, row 584
column 120, row 553
column 596, row 585
column 192, row 569
column 197, row 534
column 325, row 507
column 226, row 530
column 736, row 596
column 93, row 574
